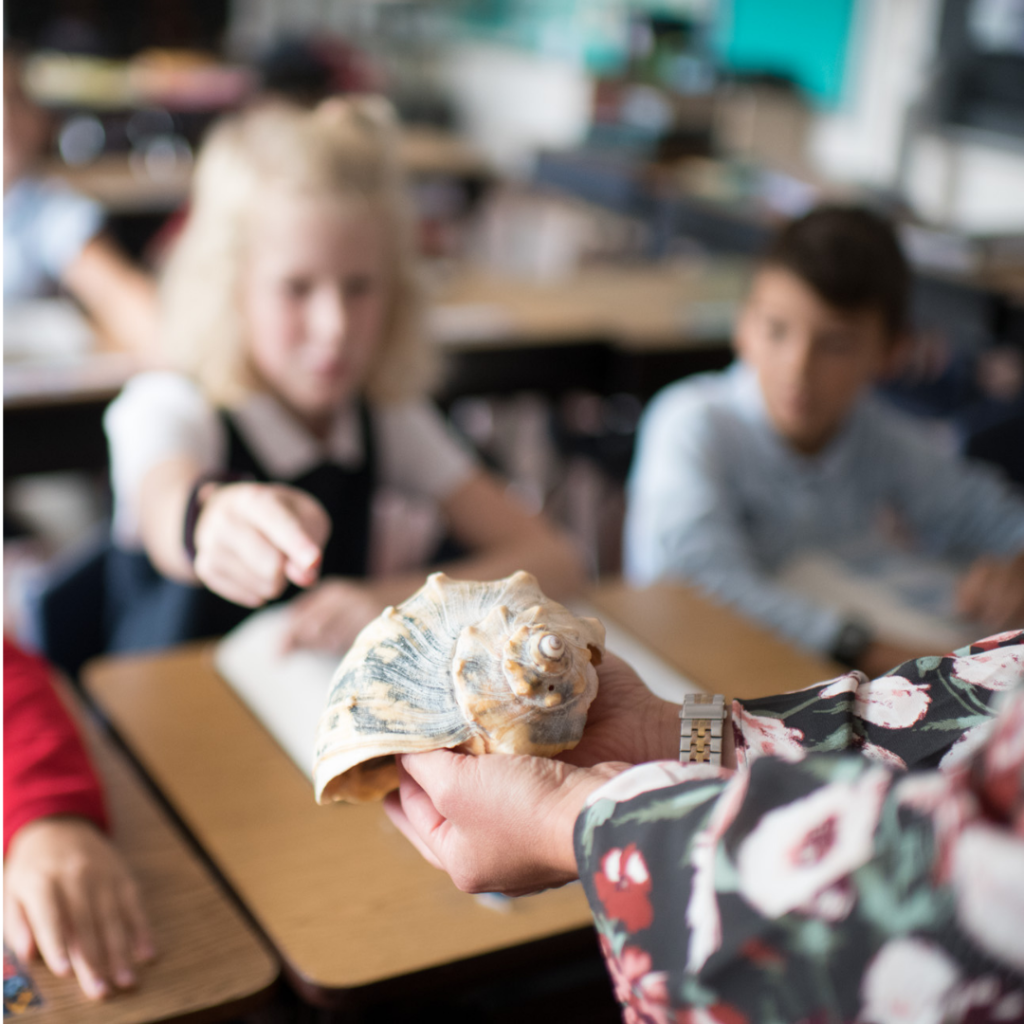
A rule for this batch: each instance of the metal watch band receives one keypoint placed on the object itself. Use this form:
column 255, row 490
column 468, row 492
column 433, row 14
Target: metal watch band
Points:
column 700, row 729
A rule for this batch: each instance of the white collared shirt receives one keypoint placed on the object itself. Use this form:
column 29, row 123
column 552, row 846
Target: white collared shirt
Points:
column 162, row 415
column 718, row 498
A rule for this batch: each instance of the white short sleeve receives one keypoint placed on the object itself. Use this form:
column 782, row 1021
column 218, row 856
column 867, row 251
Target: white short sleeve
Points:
column 157, row 417
column 419, row 453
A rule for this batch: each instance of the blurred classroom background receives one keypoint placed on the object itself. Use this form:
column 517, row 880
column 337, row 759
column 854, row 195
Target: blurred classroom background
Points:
column 592, row 179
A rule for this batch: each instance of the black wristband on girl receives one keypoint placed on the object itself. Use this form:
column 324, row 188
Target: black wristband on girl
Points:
column 194, row 506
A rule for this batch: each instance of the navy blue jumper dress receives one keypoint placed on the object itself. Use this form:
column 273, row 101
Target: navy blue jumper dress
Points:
column 145, row 609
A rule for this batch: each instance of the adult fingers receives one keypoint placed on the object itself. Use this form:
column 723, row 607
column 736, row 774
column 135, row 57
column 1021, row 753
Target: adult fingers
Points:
column 437, row 774
column 393, row 809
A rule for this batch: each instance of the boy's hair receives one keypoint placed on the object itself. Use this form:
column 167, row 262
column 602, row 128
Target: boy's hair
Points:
column 851, row 258
column 345, row 149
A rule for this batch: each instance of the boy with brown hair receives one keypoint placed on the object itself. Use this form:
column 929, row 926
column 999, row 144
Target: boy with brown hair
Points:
column 737, row 473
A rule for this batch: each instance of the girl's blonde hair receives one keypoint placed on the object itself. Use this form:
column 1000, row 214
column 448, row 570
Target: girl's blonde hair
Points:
column 345, row 148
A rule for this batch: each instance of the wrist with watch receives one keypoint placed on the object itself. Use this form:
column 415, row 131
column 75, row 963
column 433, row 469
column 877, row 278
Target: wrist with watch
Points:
column 700, row 734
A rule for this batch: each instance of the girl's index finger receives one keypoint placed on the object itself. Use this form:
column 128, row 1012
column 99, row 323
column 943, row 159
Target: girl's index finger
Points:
column 286, row 531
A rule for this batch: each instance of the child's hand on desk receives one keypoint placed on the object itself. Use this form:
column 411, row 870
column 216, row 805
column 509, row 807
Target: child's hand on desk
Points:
column 331, row 615
column 69, row 896
column 251, row 539
column 495, row 823
column 992, row 592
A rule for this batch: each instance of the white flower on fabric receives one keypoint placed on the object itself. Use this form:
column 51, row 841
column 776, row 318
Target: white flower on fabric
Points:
column 765, row 736
column 702, row 910
column 798, row 850
column 831, row 904
column 843, row 684
column 891, row 702
column 966, row 746
column 908, row 981
column 645, row 778
column 999, row 669
column 873, row 752
column 988, row 871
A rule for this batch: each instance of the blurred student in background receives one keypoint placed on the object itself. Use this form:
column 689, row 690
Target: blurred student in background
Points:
column 736, row 473
column 291, row 309
column 53, row 236
column 68, row 895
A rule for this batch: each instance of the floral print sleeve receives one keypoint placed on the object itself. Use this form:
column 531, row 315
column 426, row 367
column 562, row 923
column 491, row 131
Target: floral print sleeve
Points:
column 932, row 712
column 819, row 884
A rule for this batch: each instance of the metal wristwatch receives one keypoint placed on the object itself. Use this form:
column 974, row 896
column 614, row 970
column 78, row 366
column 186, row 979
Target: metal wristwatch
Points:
column 700, row 731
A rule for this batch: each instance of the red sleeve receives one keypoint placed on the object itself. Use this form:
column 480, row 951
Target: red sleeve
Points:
column 46, row 768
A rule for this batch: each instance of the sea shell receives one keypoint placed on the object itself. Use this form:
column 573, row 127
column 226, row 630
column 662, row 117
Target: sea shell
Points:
column 484, row 667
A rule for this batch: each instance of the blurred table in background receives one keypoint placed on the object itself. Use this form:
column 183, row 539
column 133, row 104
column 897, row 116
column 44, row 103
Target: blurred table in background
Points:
column 58, row 378
column 605, row 328
column 714, row 646
column 212, row 964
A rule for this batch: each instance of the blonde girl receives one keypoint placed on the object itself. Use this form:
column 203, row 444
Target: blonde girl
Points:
column 293, row 319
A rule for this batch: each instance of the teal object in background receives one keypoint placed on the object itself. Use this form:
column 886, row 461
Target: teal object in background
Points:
column 803, row 40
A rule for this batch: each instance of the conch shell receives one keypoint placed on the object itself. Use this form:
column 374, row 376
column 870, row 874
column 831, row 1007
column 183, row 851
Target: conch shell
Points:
column 482, row 667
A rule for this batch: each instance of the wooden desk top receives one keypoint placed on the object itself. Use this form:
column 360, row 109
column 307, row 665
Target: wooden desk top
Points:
column 650, row 307
column 343, row 896
column 711, row 644
column 212, row 963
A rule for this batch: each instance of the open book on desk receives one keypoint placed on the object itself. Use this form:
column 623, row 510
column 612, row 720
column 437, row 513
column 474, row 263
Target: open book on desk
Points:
column 287, row 692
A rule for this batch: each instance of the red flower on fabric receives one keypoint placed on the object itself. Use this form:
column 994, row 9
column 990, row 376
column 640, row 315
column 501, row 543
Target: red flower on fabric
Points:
column 717, row 1013
column 642, row 992
column 622, row 886
column 759, row 952
column 990, row 643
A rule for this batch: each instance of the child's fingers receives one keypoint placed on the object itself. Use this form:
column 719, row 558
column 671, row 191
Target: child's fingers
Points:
column 228, row 573
column 89, row 979
column 141, row 942
column 113, row 933
column 971, row 591
column 287, row 525
column 85, row 943
column 46, row 920
column 309, row 622
column 261, row 558
column 17, row 933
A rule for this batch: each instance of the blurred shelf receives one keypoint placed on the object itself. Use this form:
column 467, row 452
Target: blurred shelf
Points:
column 123, row 186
